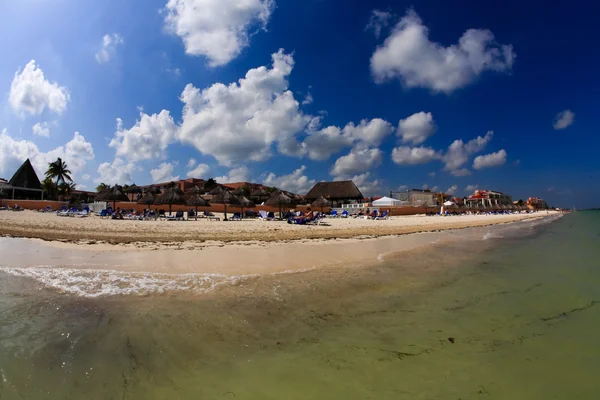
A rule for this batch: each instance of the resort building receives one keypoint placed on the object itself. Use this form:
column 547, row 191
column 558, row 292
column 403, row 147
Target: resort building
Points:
column 24, row 185
column 488, row 198
column 536, row 203
column 415, row 197
column 338, row 192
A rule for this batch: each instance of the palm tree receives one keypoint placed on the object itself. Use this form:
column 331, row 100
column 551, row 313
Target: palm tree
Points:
column 58, row 170
column 66, row 189
column 50, row 189
column 101, row 187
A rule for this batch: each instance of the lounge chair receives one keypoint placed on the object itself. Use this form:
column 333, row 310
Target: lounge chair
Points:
column 178, row 217
column 236, row 217
column 265, row 216
column 382, row 216
column 333, row 214
column 210, row 216
column 345, row 214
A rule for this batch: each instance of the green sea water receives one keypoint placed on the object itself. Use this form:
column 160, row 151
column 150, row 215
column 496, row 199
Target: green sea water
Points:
column 511, row 312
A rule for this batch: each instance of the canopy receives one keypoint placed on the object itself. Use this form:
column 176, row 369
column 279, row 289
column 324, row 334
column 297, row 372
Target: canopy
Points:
column 386, row 202
column 448, row 203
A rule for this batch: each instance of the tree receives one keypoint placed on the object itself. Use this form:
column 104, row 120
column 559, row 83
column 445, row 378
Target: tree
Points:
column 101, row 187
column 210, row 184
column 66, row 189
column 520, row 202
column 50, row 189
column 58, row 170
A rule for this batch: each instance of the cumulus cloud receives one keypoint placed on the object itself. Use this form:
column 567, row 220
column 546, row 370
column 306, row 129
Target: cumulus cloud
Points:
column 378, row 21
column 41, row 129
column 110, row 42
column 239, row 174
column 564, row 119
column 452, row 190
column 357, row 161
column 405, row 155
column 164, row 173
column 201, row 171
column 308, row 99
column 458, row 153
column 490, row 160
column 30, row 92
column 471, row 188
column 76, row 153
column 191, row 163
column 85, row 177
column 432, row 174
column 416, row 128
column 117, row 172
column 408, row 54
column 147, row 139
column 217, row 29
column 366, row 183
column 296, row 182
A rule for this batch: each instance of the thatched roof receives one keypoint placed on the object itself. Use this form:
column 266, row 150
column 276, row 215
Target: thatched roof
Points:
column 171, row 195
column 147, row 198
column 279, row 198
column 216, row 190
column 133, row 189
column 260, row 192
column 239, row 191
column 339, row 190
column 197, row 201
column 224, row 197
column 245, row 202
column 25, row 177
column 320, row 202
column 112, row 194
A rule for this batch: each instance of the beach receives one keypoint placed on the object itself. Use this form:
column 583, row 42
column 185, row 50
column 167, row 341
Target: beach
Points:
column 162, row 234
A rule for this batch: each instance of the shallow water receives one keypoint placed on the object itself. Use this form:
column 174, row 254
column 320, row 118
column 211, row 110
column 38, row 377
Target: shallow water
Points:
column 510, row 313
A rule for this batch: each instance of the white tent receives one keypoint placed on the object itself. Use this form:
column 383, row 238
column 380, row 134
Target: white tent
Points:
column 448, row 203
column 386, row 202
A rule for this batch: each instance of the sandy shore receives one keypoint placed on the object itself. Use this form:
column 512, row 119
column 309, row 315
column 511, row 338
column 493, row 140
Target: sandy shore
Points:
column 172, row 234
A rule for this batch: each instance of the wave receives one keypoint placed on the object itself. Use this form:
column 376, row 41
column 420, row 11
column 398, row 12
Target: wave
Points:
column 103, row 282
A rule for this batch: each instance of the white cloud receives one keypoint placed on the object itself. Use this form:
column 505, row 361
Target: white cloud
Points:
column 76, row 153
column 405, row 155
column 147, row 139
column 164, row 173
column 564, row 119
column 458, row 153
column 242, row 121
column 321, row 144
column 432, row 174
column 409, row 55
column 308, row 99
column 368, row 185
column 378, row 21
column 239, row 174
column 402, row 188
column 357, row 161
column 471, row 188
column 41, row 129
column 452, row 189
column 117, row 172
column 296, row 182
column 30, row 92
column 85, row 177
column 108, row 47
column 201, row 171
column 490, row 160
column 217, row 29
column 435, row 189
column 416, row 128
column 191, row 163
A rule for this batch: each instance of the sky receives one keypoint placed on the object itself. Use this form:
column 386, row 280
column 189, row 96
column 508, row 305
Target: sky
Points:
column 390, row 94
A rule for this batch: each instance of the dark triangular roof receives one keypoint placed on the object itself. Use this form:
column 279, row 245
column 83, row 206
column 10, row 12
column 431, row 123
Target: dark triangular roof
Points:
column 25, row 177
column 339, row 190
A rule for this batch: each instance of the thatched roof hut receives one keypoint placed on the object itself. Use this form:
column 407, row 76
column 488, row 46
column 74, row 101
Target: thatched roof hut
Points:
column 321, row 203
column 334, row 191
column 148, row 198
column 133, row 189
column 171, row 195
column 113, row 194
column 195, row 200
column 225, row 197
column 281, row 200
column 245, row 203
column 216, row 190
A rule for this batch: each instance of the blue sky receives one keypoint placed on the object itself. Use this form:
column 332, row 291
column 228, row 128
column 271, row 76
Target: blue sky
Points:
column 389, row 94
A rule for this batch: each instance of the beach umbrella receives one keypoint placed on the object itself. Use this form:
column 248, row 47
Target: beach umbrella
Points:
column 259, row 193
column 245, row 202
column 279, row 199
column 171, row 195
column 216, row 190
column 225, row 197
column 133, row 189
column 148, row 199
column 238, row 192
column 195, row 200
column 321, row 202
column 113, row 194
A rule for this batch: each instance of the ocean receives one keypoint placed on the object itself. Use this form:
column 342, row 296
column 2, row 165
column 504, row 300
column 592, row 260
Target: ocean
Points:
column 502, row 312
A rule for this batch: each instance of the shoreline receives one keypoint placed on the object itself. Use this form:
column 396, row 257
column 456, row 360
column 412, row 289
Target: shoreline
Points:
column 155, row 235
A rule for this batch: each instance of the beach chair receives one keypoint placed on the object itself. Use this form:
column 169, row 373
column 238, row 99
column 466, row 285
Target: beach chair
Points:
column 333, row 214
column 383, row 216
column 210, row 216
column 236, row 217
column 178, row 217
column 345, row 214
column 265, row 216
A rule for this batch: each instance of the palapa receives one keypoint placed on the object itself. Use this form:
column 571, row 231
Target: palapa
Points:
column 148, row 198
column 113, row 194
column 245, row 203
column 171, row 195
column 279, row 199
column 259, row 194
column 321, row 202
column 195, row 200
column 225, row 197
column 133, row 189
